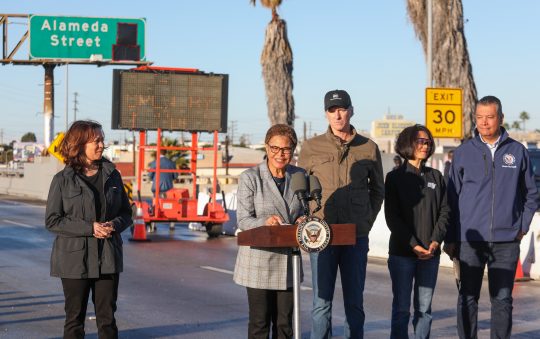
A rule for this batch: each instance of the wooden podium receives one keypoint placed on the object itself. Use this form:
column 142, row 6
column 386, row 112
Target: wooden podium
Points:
column 285, row 236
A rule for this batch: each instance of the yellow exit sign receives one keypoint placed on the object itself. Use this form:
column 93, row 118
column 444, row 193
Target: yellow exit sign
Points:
column 444, row 112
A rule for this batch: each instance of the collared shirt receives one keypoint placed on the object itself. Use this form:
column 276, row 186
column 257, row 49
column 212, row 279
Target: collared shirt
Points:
column 492, row 147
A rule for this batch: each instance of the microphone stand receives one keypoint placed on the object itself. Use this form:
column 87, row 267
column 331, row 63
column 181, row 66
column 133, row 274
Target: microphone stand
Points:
column 296, row 292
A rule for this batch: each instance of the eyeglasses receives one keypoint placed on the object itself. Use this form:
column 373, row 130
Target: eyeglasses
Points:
column 276, row 149
column 423, row 141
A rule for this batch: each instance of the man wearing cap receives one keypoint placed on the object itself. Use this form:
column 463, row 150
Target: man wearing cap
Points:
column 349, row 168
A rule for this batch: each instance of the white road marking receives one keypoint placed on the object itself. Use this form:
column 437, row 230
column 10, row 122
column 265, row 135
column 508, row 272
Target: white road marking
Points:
column 221, row 270
column 19, row 203
column 17, row 223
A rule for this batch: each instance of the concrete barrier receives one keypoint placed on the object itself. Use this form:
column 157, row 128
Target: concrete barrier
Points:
column 37, row 179
column 530, row 245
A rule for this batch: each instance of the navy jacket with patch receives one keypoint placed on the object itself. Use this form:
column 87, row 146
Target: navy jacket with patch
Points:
column 491, row 198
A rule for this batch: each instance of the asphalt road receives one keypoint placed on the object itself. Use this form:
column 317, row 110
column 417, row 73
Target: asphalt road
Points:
column 180, row 286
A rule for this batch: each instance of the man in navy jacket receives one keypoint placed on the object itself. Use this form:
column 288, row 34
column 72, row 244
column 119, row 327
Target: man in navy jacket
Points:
column 491, row 191
column 166, row 179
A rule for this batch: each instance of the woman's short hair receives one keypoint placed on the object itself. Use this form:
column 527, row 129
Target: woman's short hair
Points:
column 72, row 147
column 406, row 141
column 282, row 130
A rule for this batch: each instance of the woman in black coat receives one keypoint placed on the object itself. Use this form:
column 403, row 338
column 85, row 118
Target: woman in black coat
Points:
column 87, row 209
column 416, row 212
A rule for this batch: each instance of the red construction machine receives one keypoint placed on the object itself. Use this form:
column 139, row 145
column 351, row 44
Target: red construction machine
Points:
column 173, row 99
column 179, row 204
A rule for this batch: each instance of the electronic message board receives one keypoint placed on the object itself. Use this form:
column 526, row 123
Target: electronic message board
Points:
column 173, row 101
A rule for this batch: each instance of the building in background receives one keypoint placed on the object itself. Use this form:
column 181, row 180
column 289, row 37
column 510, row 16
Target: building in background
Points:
column 26, row 151
column 385, row 131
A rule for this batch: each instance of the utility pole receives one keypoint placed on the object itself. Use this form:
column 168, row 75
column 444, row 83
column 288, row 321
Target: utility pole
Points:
column 75, row 108
column 232, row 128
column 305, row 131
column 227, row 158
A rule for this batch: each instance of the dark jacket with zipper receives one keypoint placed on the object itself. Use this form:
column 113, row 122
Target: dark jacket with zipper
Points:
column 70, row 214
column 492, row 198
column 416, row 209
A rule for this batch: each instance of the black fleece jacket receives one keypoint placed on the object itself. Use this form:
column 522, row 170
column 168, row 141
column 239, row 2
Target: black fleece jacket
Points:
column 415, row 208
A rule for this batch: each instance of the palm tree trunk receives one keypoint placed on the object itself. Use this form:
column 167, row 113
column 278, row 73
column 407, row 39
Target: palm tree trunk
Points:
column 451, row 63
column 277, row 67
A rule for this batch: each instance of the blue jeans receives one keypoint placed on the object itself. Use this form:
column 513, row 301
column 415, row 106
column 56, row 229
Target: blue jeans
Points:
column 352, row 261
column 403, row 271
column 501, row 259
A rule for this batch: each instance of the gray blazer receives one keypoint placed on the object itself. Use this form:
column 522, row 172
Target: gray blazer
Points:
column 259, row 198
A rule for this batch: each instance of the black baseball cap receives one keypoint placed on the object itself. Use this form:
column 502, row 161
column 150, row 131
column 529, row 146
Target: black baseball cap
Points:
column 337, row 97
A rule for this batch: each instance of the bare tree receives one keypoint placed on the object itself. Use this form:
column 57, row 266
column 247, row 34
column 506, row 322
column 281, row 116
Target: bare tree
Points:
column 277, row 67
column 451, row 64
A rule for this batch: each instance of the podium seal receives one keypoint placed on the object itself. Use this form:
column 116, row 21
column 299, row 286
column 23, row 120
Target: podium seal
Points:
column 313, row 234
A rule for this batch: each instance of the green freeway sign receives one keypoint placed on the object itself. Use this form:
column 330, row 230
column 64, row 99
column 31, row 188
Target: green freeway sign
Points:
column 63, row 37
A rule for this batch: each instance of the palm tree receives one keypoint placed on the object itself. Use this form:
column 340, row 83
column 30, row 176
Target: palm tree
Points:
column 524, row 116
column 178, row 157
column 451, row 64
column 516, row 125
column 277, row 67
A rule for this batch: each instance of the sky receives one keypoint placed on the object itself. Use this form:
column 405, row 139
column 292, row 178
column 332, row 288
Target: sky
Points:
column 368, row 48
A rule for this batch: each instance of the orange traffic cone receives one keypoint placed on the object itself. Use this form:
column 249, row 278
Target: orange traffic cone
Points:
column 519, row 273
column 139, row 228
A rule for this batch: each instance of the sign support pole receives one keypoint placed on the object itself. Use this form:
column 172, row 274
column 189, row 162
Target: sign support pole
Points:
column 429, row 46
column 48, row 105
column 67, row 96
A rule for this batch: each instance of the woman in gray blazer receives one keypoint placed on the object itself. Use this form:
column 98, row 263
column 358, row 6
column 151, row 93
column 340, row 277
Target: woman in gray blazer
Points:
column 265, row 198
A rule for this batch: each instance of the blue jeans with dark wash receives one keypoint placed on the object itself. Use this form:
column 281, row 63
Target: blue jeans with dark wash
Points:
column 404, row 271
column 501, row 259
column 352, row 261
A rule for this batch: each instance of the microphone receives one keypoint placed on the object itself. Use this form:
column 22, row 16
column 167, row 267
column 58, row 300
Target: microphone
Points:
column 316, row 191
column 299, row 186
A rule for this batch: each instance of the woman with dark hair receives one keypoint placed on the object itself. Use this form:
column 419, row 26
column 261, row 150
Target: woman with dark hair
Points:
column 417, row 215
column 87, row 209
column 265, row 198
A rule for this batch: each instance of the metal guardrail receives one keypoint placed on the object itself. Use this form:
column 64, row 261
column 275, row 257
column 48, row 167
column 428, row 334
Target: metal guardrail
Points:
column 12, row 172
